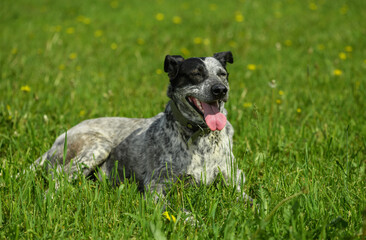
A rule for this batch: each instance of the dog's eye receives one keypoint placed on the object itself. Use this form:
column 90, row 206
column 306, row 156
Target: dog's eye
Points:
column 222, row 74
column 196, row 74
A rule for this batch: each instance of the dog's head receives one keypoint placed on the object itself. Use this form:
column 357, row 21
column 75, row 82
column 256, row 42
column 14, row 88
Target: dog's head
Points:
column 200, row 87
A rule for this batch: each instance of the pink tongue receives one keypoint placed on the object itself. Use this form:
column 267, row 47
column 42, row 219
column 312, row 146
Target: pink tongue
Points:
column 215, row 120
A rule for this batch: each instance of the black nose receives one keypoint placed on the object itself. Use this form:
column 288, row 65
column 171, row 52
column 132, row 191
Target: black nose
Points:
column 219, row 90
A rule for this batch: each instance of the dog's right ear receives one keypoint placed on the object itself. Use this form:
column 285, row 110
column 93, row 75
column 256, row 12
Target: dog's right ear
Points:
column 171, row 65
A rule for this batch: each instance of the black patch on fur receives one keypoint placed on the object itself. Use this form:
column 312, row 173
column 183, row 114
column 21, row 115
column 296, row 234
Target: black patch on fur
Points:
column 224, row 57
column 190, row 71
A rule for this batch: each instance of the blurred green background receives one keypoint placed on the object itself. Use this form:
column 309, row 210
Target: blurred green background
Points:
column 297, row 98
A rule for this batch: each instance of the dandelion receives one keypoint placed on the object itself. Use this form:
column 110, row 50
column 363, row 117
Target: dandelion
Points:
column 206, row 41
column 197, row 40
column 70, row 30
column 177, row 20
column 82, row 113
column 159, row 71
column 321, row 47
column 159, row 16
column 25, row 88
column 45, row 118
column 73, row 56
column 288, row 43
column 114, row 4
column 313, row 6
column 114, row 46
column 278, row 101
column 343, row 10
column 140, row 41
column 281, row 92
column 169, row 217
column 185, row 51
column 247, row 104
column 251, row 67
column 213, row 7
column 14, row 51
column 233, row 44
column 239, row 17
column 83, row 19
column 342, row 55
column 98, row 33
column 337, row 72
column 298, row 110
column 348, row 48
column 272, row 84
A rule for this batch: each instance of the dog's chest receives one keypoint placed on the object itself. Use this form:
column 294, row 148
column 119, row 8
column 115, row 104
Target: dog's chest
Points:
column 206, row 157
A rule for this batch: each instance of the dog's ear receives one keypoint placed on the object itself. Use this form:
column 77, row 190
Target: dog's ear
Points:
column 224, row 57
column 171, row 64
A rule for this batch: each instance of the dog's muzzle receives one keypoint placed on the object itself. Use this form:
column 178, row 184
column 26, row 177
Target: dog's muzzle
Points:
column 219, row 91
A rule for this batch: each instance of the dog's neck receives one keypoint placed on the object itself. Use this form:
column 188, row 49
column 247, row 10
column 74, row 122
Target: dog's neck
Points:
column 194, row 130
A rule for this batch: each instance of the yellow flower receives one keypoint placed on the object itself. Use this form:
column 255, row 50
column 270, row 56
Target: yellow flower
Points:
column 83, row 19
column 233, row 44
column 337, row 72
column 14, row 51
column 98, row 33
column 114, row 46
column 298, row 110
column 288, row 43
column 278, row 101
column 159, row 71
column 197, row 40
column 280, row 92
column 114, row 4
column 239, row 17
column 247, row 104
column 321, row 47
column 185, row 51
column 206, row 41
column 344, row 9
column 82, row 113
column 159, row 16
column 140, row 41
column 213, row 7
column 61, row 67
column 342, row 55
column 177, row 20
column 252, row 67
column 169, row 217
column 8, row 107
column 70, row 30
column 73, row 56
column 313, row 6
column 25, row 88
column 348, row 48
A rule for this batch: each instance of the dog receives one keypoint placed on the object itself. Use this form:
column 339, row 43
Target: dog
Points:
column 192, row 137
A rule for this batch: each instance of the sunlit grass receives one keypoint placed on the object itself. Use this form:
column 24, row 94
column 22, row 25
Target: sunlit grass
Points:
column 297, row 103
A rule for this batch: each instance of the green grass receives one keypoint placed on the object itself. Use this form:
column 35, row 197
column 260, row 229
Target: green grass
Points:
column 76, row 60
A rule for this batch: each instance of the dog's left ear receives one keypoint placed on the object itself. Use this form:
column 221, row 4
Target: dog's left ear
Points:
column 171, row 65
column 224, row 57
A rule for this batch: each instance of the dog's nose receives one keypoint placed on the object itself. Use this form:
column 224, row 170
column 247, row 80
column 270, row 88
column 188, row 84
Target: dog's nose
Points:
column 219, row 90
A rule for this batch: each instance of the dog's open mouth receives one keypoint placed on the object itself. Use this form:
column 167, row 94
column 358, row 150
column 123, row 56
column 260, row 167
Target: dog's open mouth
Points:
column 214, row 119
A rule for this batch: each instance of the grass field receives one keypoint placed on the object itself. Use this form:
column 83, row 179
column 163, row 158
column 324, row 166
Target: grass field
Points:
column 297, row 104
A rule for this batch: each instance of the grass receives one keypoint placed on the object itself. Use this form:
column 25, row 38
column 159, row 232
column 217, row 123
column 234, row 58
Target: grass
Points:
column 300, row 139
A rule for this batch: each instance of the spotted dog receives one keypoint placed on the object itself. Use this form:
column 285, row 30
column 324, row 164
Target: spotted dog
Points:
column 192, row 137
